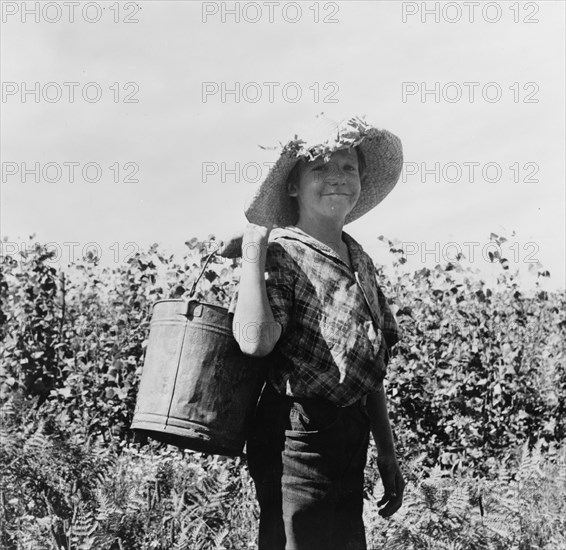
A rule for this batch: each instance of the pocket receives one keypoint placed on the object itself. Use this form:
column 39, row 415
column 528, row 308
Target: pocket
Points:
column 312, row 453
column 310, row 418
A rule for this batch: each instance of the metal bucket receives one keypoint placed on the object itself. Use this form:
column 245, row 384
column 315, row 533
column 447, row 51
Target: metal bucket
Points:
column 197, row 389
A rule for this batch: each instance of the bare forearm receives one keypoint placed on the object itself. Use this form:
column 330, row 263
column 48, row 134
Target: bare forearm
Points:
column 380, row 425
column 389, row 470
column 254, row 326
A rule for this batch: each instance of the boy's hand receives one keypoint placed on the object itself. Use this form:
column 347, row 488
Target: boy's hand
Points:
column 256, row 234
column 231, row 246
column 254, row 242
column 393, row 485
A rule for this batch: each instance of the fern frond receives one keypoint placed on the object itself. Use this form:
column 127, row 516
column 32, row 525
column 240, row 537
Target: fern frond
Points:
column 458, row 502
column 37, row 444
column 82, row 528
column 500, row 526
column 183, row 542
column 219, row 539
column 105, row 507
column 433, row 543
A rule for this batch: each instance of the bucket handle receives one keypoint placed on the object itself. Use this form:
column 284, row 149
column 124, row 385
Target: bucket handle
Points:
column 187, row 299
column 194, row 287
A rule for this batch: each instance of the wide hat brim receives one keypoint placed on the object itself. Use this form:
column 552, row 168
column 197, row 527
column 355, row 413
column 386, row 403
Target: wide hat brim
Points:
column 271, row 205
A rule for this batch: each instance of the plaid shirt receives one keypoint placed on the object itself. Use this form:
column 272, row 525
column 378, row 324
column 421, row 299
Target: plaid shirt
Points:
column 329, row 347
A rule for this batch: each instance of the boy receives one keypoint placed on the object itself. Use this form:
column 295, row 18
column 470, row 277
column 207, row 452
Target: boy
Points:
column 311, row 291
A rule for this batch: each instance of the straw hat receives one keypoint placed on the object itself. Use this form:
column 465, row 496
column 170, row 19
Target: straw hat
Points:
column 271, row 204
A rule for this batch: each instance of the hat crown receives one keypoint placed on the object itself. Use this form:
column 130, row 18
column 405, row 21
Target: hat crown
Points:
column 317, row 131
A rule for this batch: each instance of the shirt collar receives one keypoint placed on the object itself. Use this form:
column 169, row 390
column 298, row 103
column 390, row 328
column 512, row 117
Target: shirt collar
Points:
column 292, row 231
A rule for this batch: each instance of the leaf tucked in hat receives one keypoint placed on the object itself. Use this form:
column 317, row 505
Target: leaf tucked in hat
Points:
column 325, row 137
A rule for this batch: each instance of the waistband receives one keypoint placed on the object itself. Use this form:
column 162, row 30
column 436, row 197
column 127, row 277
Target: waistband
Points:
column 319, row 401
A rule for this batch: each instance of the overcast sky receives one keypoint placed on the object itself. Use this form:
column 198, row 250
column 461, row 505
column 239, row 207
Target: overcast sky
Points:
column 169, row 110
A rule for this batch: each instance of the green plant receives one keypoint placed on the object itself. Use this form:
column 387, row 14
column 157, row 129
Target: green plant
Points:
column 521, row 511
column 479, row 376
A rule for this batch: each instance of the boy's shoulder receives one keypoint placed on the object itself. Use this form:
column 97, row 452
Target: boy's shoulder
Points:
column 290, row 232
column 357, row 250
column 288, row 238
column 286, row 248
column 298, row 245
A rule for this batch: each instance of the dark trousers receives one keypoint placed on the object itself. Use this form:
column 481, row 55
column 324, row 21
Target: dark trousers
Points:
column 307, row 459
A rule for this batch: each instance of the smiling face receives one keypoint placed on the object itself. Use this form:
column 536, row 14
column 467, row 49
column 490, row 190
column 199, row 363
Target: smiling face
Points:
column 327, row 190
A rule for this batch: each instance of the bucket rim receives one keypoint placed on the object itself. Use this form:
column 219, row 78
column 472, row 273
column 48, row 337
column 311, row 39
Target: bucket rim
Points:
column 187, row 301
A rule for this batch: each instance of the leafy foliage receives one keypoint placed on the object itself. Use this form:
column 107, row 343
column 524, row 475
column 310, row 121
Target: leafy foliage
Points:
column 477, row 392
column 347, row 134
column 443, row 511
column 77, row 339
column 478, row 371
column 60, row 491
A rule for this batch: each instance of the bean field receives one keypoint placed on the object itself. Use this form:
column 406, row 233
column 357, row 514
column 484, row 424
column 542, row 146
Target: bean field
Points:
column 476, row 390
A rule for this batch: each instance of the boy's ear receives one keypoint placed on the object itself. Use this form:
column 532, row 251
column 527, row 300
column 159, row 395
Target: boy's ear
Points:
column 292, row 189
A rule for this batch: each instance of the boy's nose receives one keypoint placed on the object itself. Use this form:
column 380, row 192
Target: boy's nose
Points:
column 336, row 175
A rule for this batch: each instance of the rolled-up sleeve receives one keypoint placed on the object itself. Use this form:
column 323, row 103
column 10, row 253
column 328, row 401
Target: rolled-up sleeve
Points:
column 280, row 273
